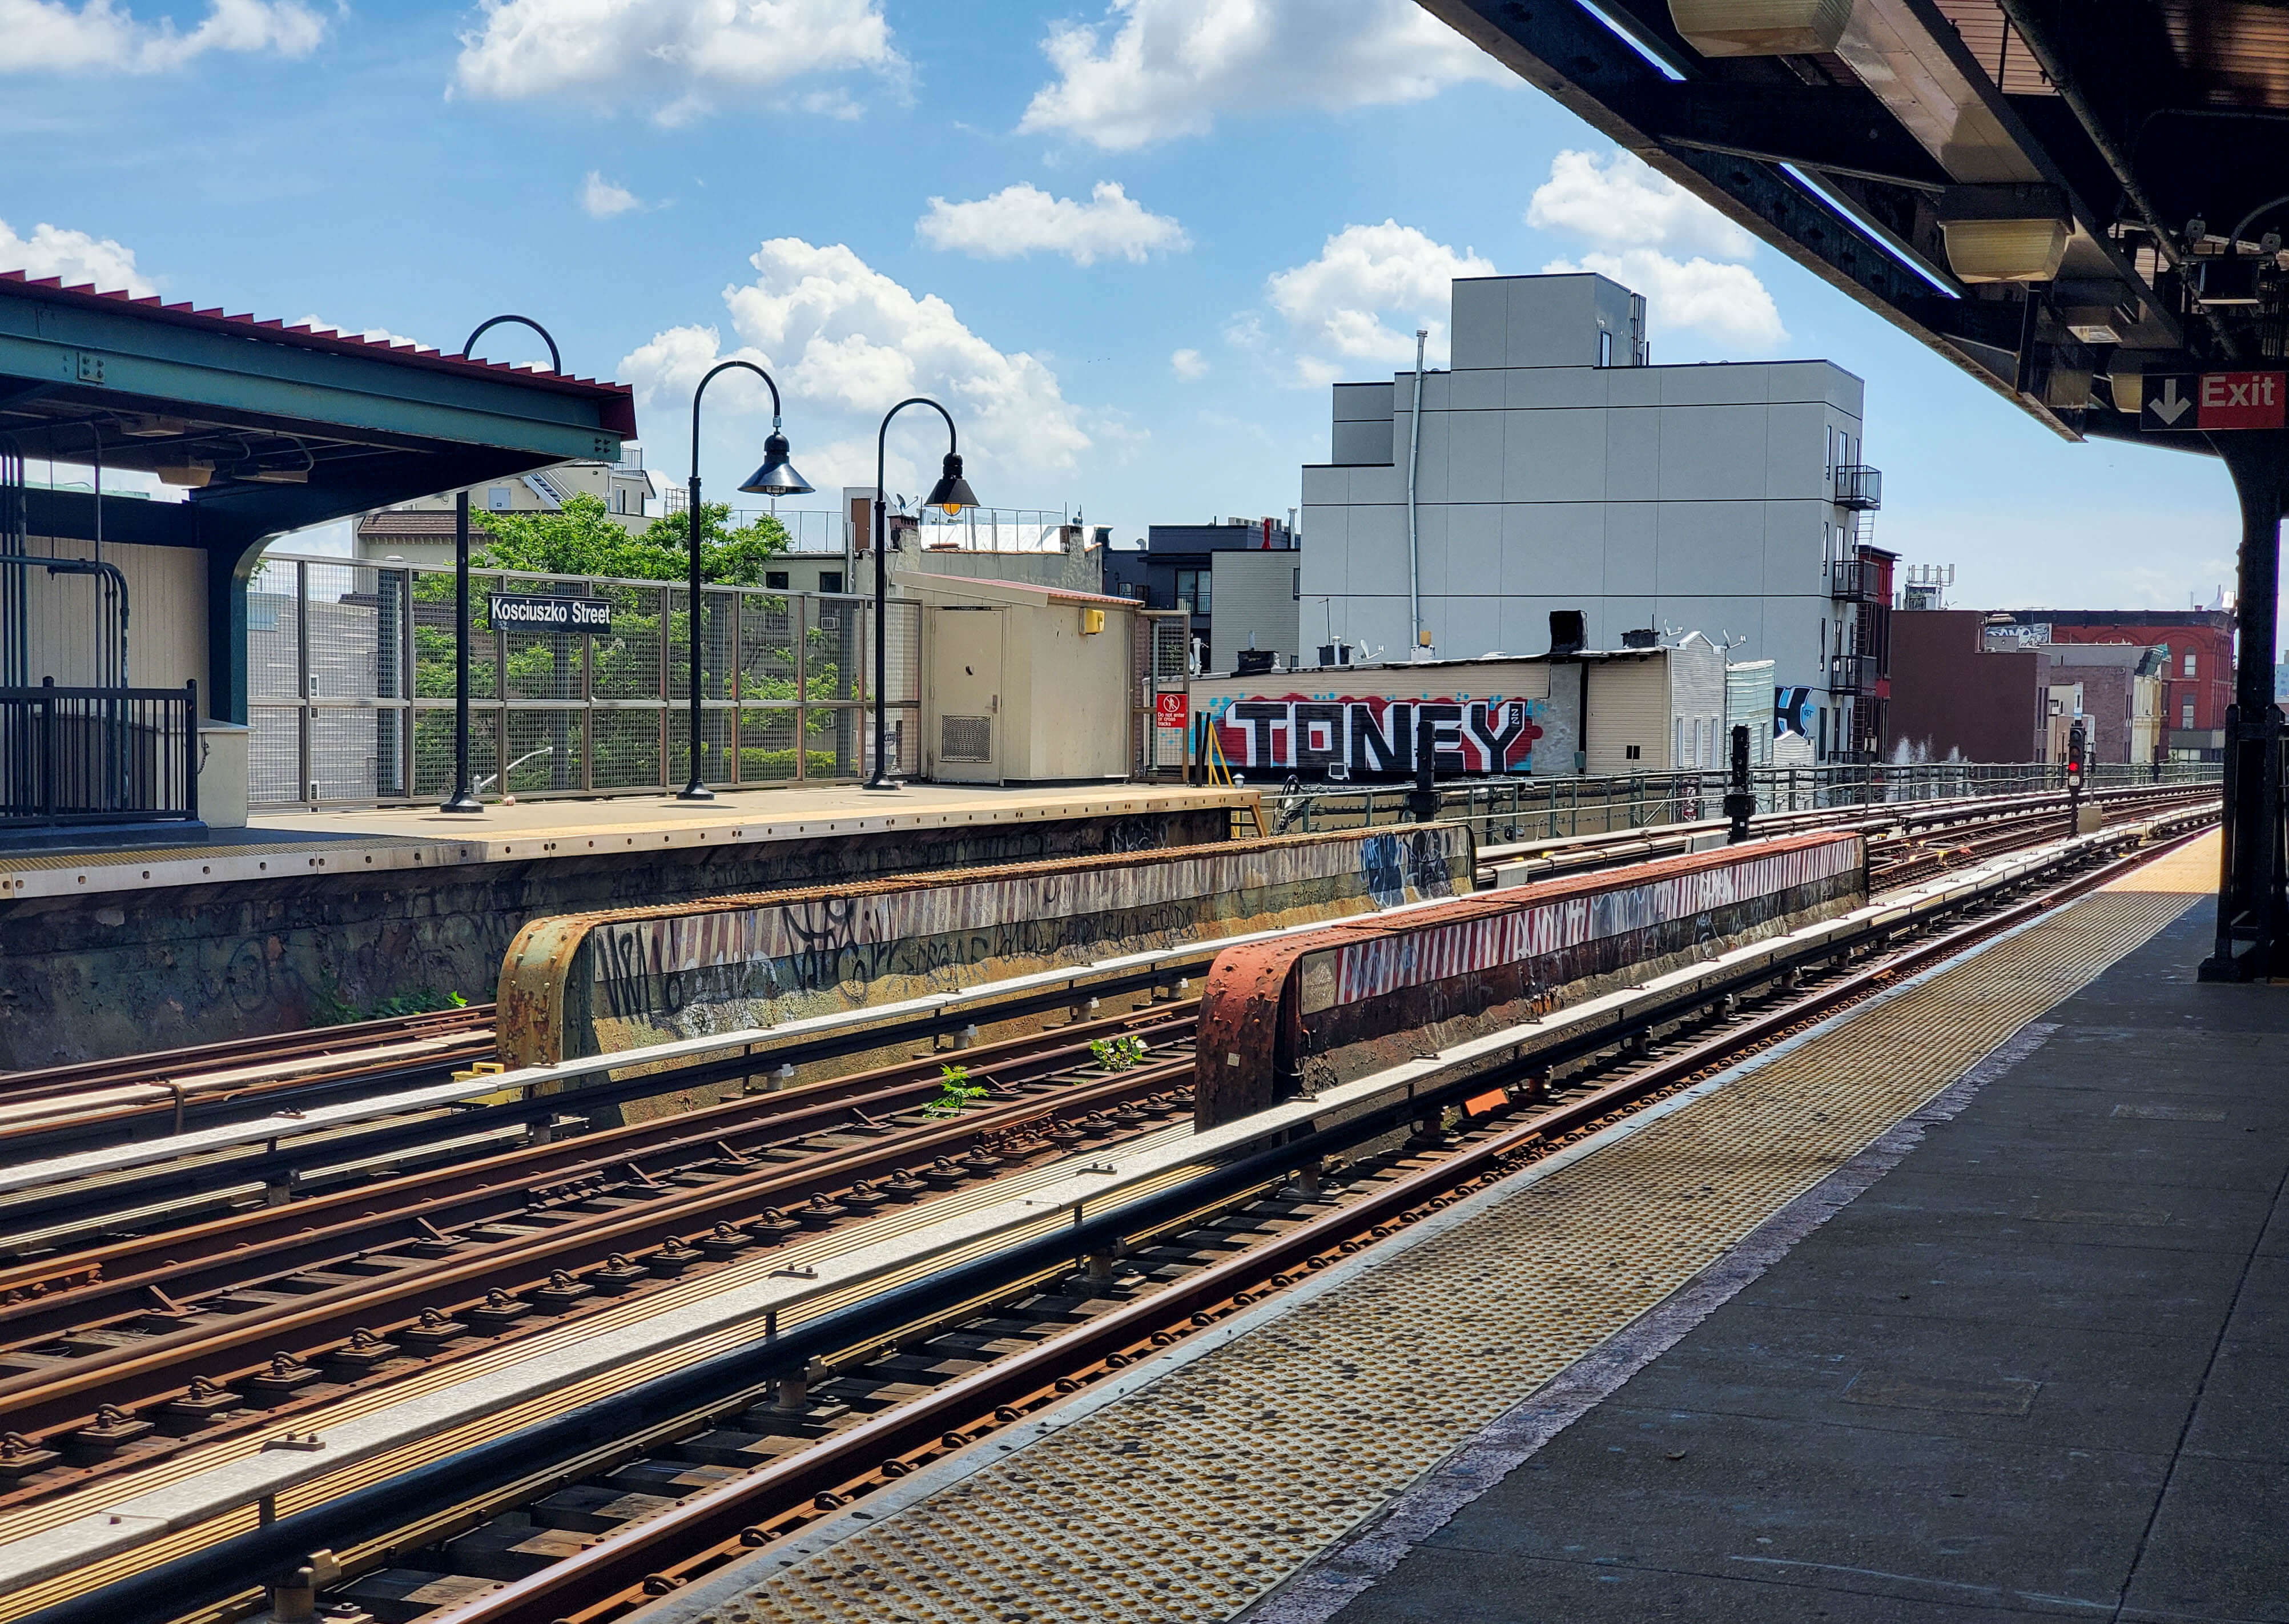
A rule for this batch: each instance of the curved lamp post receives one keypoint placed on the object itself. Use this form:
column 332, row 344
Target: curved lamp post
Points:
column 775, row 478
column 952, row 493
column 464, row 797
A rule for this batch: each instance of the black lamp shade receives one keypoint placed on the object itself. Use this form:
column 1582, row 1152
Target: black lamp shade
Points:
column 776, row 476
column 952, row 493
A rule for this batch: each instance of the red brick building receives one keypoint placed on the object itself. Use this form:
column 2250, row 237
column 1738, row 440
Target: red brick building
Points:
column 2198, row 682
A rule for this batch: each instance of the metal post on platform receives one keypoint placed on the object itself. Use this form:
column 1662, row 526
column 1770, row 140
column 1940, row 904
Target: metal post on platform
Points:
column 775, row 478
column 2253, row 915
column 1422, row 800
column 464, row 798
column 950, row 496
column 1740, row 801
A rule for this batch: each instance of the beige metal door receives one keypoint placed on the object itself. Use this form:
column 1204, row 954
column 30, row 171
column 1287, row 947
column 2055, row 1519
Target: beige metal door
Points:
column 966, row 687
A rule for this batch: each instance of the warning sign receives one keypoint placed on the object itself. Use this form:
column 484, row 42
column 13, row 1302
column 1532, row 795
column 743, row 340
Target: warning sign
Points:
column 1169, row 710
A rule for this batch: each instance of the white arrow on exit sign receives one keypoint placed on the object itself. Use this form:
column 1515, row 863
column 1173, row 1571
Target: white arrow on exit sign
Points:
column 2171, row 406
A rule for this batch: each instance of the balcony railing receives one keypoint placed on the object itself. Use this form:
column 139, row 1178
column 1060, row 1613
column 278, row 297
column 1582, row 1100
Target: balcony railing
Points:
column 1854, row 674
column 1859, row 488
column 1859, row 581
column 97, row 755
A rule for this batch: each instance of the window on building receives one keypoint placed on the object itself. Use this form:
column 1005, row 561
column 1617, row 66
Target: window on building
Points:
column 776, row 579
column 1194, row 589
column 1676, row 751
column 2186, row 715
column 1295, row 585
column 830, row 581
column 2189, row 665
column 1604, row 348
column 1633, row 753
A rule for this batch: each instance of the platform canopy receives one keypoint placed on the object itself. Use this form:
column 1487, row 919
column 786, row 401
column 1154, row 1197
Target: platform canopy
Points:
column 288, row 427
column 266, row 427
column 2071, row 200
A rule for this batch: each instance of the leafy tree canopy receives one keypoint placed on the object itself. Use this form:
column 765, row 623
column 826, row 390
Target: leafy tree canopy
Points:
column 584, row 539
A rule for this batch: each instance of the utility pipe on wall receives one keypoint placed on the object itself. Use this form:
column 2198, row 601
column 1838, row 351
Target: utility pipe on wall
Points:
column 1414, row 551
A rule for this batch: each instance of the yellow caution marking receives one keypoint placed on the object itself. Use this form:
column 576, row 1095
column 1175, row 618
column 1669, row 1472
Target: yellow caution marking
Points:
column 1199, row 1492
column 2192, row 869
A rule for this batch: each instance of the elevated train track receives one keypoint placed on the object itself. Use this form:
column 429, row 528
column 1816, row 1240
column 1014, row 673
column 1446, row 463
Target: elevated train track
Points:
column 1193, row 1243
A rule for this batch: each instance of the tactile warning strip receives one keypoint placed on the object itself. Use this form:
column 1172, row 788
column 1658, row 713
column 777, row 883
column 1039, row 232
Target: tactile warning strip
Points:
column 1197, row 1493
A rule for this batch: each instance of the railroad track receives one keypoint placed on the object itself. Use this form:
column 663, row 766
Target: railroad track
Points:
column 117, row 1357
column 91, row 1100
column 596, row 1531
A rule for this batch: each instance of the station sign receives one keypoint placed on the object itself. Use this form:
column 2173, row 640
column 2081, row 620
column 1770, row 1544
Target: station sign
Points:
column 2184, row 400
column 528, row 611
column 1170, row 710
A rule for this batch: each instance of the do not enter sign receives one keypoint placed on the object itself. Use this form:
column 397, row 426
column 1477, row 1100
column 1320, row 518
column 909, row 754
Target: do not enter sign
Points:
column 1170, row 709
column 2181, row 400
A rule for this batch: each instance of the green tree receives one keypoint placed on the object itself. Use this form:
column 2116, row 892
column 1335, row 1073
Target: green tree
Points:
column 582, row 539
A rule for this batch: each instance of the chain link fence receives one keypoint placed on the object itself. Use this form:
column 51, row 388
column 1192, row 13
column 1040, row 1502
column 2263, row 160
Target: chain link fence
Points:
column 350, row 671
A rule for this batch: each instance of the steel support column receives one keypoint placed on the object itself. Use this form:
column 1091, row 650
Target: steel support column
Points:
column 2253, row 918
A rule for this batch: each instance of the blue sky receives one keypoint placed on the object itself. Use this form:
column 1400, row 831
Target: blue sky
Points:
column 1159, row 229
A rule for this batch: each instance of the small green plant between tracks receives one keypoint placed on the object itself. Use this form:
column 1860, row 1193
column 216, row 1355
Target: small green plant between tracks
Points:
column 955, row 1093
column 1117, row 1053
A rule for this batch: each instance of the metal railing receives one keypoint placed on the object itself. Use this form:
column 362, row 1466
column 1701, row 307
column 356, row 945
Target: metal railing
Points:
column 1859, row 488
column 1502, row 810
column 1859, row 581
column 1853, row 674
column 97, row 755
column 350, row 675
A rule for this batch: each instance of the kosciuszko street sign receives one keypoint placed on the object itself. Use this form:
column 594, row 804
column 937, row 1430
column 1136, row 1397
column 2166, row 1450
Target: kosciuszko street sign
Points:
column 2178, row 402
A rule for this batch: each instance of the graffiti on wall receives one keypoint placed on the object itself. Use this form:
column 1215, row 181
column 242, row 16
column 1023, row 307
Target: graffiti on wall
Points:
column 642, row 976
column 1372, row 736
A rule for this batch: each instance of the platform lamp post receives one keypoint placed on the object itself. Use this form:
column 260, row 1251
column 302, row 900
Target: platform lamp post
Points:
column 464, row 797
column 950, row 495
column 775, row 478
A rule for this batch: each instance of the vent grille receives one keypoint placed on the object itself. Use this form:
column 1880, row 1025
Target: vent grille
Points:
column 965, row 739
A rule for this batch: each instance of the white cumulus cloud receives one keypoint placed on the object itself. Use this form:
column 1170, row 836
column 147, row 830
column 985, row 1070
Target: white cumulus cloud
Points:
column 601, row 199
column 846, row 343
column 97, row 36
column 1657, row 238
column 1153, row 69
column 1186, row 363
column 1018, row 219
column 1622, row 202
column 674, row 58
column 76, row 257
column 1726, row 302
column 1336, row 303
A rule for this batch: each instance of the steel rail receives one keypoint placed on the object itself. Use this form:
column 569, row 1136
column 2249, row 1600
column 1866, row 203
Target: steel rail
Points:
column 128, row 1377
column 725, row 1521
column 36, row 1294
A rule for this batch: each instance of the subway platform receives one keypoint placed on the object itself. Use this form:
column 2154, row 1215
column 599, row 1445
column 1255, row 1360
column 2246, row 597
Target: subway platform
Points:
column 1968, row 1303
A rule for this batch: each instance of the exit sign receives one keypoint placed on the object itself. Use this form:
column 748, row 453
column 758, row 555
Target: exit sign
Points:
column 2180, row 401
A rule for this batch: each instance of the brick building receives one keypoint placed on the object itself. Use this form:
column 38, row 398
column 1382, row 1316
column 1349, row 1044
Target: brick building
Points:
column 1953, row 696
column 2198, row 683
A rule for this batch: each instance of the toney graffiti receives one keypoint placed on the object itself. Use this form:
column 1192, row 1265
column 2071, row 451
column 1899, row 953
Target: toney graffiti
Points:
column 1370, row 736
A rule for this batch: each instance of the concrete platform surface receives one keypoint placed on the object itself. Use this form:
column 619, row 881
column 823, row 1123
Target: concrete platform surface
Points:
column 2038, row 1368
column 299, row 844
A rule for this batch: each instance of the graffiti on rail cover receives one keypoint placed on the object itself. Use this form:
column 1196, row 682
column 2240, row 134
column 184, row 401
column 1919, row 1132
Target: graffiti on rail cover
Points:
column 1374, row 736
column 603, row 983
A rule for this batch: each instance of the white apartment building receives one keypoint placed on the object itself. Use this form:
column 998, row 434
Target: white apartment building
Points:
column 1557, row 470
column 624, row 487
